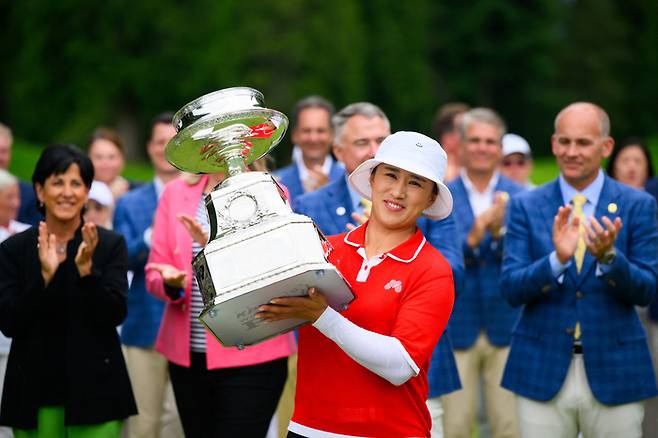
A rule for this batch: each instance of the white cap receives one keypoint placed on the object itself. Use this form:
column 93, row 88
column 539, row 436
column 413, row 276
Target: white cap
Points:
column 101, row 193
column 415, row 153
column 515, row 144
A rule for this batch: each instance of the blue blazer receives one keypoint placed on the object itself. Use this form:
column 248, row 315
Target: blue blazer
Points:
column 652, row 188
column 331, row 209
column 29, row 212
column 480, row 305
column 289, row 177
column 615, row 350
column 133, row 215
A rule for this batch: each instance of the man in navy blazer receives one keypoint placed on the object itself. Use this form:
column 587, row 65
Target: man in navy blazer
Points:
column 481, row 321
column 360, row 128
column 312, row 165
column 580, row 254
column 133, row 218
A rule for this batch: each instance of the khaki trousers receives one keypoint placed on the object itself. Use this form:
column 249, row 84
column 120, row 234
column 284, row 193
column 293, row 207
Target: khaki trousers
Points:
column 485, row 361
column 149, row 376
column 574, row 409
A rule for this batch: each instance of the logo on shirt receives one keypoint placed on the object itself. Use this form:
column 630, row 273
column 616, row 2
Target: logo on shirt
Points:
column 396, row 285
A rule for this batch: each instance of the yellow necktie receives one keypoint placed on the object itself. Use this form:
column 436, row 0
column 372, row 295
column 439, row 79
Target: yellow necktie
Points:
column 578, row 202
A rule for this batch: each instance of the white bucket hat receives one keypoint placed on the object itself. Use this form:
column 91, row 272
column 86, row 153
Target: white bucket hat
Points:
column 415, row 153
column 101, row 193
column 515, row 144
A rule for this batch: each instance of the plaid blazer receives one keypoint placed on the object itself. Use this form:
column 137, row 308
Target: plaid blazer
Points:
column 289, row 177
column 331, row 209
column 615, row 350
column 479, row 305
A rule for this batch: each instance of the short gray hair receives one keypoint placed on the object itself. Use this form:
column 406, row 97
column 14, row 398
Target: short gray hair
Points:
column 604, row 120
column 5, row 131
column 481, row 115
column 7, row 180
column 366, row 109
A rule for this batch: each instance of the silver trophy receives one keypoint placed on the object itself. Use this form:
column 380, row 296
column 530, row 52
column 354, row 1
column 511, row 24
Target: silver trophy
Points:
column 258, row 248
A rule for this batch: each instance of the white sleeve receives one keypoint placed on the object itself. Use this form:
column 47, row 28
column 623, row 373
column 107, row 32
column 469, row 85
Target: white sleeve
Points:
column 383, row 355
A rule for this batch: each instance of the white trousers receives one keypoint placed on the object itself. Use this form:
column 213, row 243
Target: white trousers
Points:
column 436, row 411
column 574, row 409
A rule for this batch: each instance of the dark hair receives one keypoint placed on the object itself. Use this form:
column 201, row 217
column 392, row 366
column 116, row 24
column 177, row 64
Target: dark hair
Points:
column 165, row 118
column 109, row 134
column 630, row 141
column 444, row 120
column 312, row 102
column 56, row 159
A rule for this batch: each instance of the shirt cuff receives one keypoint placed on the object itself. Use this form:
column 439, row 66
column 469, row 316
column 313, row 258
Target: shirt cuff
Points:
column 326, row 320
column 603, row 268
column 148, row 234
column 557, row 268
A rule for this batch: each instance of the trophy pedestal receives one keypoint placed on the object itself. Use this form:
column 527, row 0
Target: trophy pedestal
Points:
column 280, row 254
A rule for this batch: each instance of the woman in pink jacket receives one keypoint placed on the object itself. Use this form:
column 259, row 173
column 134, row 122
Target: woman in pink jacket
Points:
column 219, row 391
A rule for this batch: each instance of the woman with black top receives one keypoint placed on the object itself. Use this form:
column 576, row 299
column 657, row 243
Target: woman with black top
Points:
column 62, row 294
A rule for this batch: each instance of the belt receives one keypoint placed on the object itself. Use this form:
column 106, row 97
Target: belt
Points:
column 577, row 348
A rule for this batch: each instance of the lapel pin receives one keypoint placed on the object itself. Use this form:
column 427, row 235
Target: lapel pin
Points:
column 340, row 211
column 612, row 208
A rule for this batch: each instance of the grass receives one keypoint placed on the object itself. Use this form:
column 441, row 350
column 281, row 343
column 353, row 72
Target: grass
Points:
column 25, row 156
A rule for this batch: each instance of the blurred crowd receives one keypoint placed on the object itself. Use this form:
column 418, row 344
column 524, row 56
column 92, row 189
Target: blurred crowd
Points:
column 554, row 324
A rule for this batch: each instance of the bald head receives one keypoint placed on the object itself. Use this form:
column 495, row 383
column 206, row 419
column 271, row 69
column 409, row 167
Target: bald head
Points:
column 585, row 109
column 6, row 139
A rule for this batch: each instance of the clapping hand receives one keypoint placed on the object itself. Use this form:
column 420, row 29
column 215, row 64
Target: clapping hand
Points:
column 490, row 220
column 497, row 214
column 308, row 308
column 565, row 234
column 193, row 227
column 316, row 179
column 171, row 276
column 599, row 238
column 359, row 219
column 83, row 258
column 48, row 258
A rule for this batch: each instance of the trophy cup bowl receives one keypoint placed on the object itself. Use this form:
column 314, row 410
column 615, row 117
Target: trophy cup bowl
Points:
column 258, row 249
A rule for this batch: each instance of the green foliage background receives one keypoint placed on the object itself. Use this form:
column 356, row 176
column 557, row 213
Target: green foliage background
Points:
column 69, row 66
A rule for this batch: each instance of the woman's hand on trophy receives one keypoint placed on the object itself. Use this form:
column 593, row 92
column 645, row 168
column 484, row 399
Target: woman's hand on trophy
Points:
column 83, row 259
column 308, row 308
column 171, row 276
column 194, row 228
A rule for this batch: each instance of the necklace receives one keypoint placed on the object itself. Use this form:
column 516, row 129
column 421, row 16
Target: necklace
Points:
column 61, row 248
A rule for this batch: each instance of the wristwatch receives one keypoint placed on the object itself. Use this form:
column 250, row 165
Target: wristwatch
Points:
column 608, row 257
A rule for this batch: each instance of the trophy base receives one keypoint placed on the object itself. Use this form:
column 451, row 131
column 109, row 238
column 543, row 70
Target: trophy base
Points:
column 233, row 322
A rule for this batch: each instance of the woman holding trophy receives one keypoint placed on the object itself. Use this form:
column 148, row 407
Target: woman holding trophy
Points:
column 363, row 372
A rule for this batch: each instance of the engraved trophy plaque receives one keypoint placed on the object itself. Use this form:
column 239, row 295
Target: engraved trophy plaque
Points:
column 258, row 249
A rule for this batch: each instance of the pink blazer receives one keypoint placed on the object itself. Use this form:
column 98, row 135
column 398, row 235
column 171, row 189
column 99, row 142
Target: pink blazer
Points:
column 172, row 244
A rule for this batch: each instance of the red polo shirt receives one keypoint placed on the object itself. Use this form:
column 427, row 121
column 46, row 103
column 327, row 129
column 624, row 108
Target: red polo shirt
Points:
column 408, row 293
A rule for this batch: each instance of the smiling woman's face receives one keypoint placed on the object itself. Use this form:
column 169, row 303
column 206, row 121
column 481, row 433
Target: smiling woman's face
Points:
column 399, row 197
column 63, row 195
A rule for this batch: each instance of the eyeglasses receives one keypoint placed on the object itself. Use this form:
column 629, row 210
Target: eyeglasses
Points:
column 509, row 163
